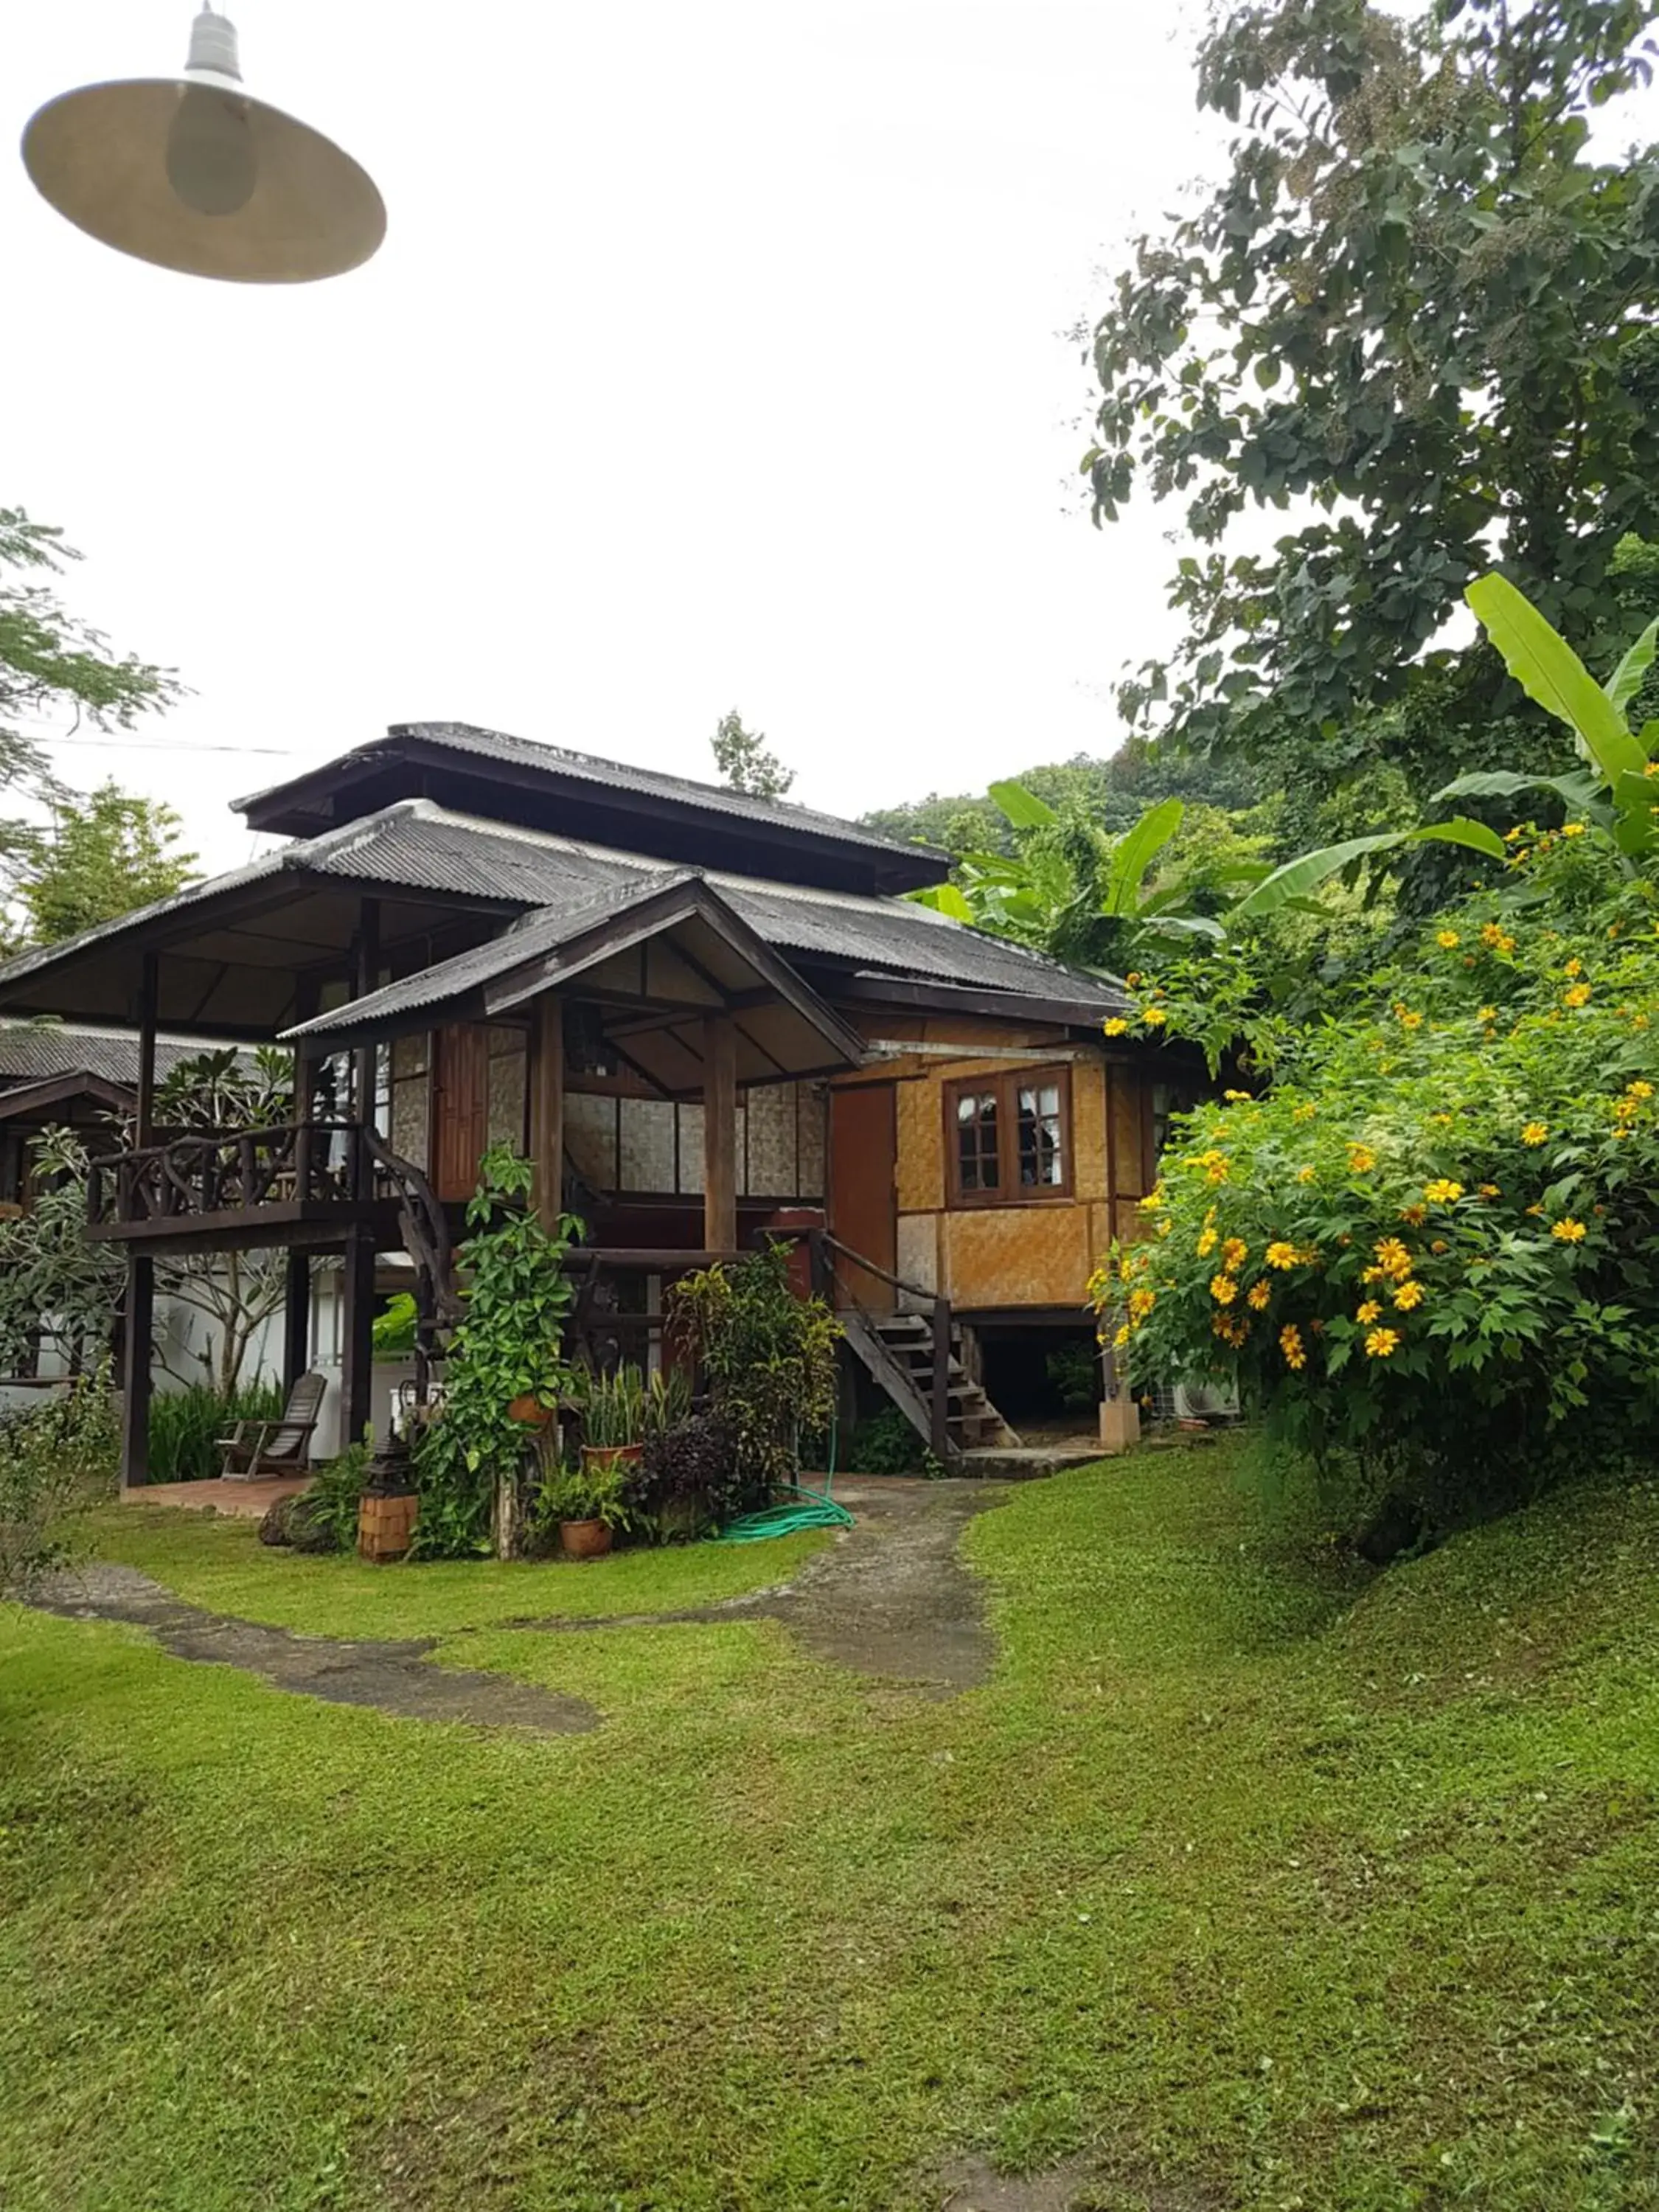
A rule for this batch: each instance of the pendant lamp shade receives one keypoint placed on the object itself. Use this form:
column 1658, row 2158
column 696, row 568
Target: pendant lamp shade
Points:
column 192, row 174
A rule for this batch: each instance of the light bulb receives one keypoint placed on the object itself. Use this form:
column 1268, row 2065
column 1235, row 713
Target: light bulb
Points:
column 210, row 160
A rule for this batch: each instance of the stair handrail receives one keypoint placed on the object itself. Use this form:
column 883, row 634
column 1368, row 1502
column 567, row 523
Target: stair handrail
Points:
column 939, row 1409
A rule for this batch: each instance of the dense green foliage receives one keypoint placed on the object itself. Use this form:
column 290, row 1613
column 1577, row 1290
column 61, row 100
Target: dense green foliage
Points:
column 1419, row 301
column 186, row 1426
column 105, row 852
column 507, row 1346
column 768, row 1359
column 1430, row 1250
column 1111, row 793
column 54, row 666
column 58, row 1460
column 1247, row 1879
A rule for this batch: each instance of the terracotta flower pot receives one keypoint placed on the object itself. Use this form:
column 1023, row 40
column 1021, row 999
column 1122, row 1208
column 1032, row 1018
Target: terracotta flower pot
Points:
column 584, row 1539
column 530, row 1410
column 601, row 1458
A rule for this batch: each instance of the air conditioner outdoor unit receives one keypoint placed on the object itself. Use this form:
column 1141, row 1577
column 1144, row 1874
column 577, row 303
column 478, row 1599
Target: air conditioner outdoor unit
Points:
column 1205, row 1402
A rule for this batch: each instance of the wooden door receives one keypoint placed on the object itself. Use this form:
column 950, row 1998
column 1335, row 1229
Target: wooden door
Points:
column 863, row 1196
column 460, row 1109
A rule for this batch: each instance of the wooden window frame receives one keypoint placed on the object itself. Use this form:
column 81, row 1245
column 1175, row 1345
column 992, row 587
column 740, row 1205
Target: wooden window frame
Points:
column 1006, row 1083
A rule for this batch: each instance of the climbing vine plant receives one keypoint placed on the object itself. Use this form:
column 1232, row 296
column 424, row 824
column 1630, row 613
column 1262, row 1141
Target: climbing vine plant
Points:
column 508, row 1345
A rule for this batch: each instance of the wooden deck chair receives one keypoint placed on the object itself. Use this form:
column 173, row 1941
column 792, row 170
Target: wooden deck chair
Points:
column 256, row 1450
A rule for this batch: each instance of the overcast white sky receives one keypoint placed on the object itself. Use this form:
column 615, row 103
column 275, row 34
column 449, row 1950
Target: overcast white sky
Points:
column 715, row 356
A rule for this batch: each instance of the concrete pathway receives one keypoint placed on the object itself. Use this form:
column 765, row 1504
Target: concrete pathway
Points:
column 393, row 1678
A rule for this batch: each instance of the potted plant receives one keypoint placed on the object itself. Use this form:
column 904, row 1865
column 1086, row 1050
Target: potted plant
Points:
column 589, row 1503
column 613, row 1410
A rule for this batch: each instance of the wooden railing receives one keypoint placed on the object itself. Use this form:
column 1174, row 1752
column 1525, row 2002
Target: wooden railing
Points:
column 230, row 1172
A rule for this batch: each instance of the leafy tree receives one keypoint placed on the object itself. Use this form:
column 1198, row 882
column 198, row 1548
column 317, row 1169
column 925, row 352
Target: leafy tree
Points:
column 106, row 852
column 745, row 762
column 1114, row 792
column 1416, row 304
column 53, row 663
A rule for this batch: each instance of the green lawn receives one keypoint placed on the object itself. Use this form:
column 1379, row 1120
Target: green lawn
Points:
column 1270, row 1889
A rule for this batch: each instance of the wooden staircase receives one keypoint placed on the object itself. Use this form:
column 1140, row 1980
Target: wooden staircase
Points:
column 898, row 1351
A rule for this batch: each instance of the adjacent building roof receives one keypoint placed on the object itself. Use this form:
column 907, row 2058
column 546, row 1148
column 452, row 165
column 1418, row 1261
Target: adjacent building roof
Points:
column 669, row 817
column 39, row 1051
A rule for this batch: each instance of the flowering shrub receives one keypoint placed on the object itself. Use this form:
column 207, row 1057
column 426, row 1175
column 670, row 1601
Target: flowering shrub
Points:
column 1433, row 1247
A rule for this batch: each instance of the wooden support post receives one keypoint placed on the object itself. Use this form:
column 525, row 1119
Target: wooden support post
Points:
column 144, row 1120
column 138, row 1329
column 939, row 1408
column 547, row 1106
column 720, row 1135
column 365, row 978
column 139, row 1315
column 306, row 996
column 296, row 1318
column 357, row 1335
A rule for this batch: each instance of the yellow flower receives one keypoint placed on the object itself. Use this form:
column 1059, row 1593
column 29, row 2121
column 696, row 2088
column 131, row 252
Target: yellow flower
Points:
column 1367, row 1312
column 1238, row 1097
column 1132, row 977
column 1449, row 941
column 1223, row 1289
column 1380, row 1343
column 1121, row 1338
column 1408, row 1295
column 1392, row 1257
column 1534, row 1209
column 1409, row 1020
column 1304, row 1112
column 1373, row 1275
column 1154, row 1017
column 1415, row 1214
column 1572, row 828
column 1490, row 1190
column 1577, row 995
column 1280, row 1254
column 1440, row 1245
column 1573, row 967
column 1491, row 933
column 1257, row 1295
column 1289, row 1343
column 1568, row 1231
column 1116, row 1027
column 1154, row 1200
column 1443, row 1191
column 1141, row 1303
column 1206, row 1243
column 1309, row 1174
column 1361, row 1159
column 1639, row 1090
column 1535, row 1133
column 1485, row 1013
column 1234, row 1253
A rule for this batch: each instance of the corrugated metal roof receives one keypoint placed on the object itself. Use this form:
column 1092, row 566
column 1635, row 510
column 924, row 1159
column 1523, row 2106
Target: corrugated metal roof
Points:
column 536, row 931
column 34, row 1052
column 610, row 775
column 420, row 846
column 417, row 846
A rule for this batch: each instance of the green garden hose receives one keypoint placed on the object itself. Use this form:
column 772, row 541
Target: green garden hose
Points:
column 817, row 1509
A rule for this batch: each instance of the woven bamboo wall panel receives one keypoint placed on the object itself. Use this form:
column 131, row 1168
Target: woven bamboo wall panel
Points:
column 1017, row 1256
column 920, row 1175
column 1128, row 1134
column 918, row 1249
column 1089, row 1129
